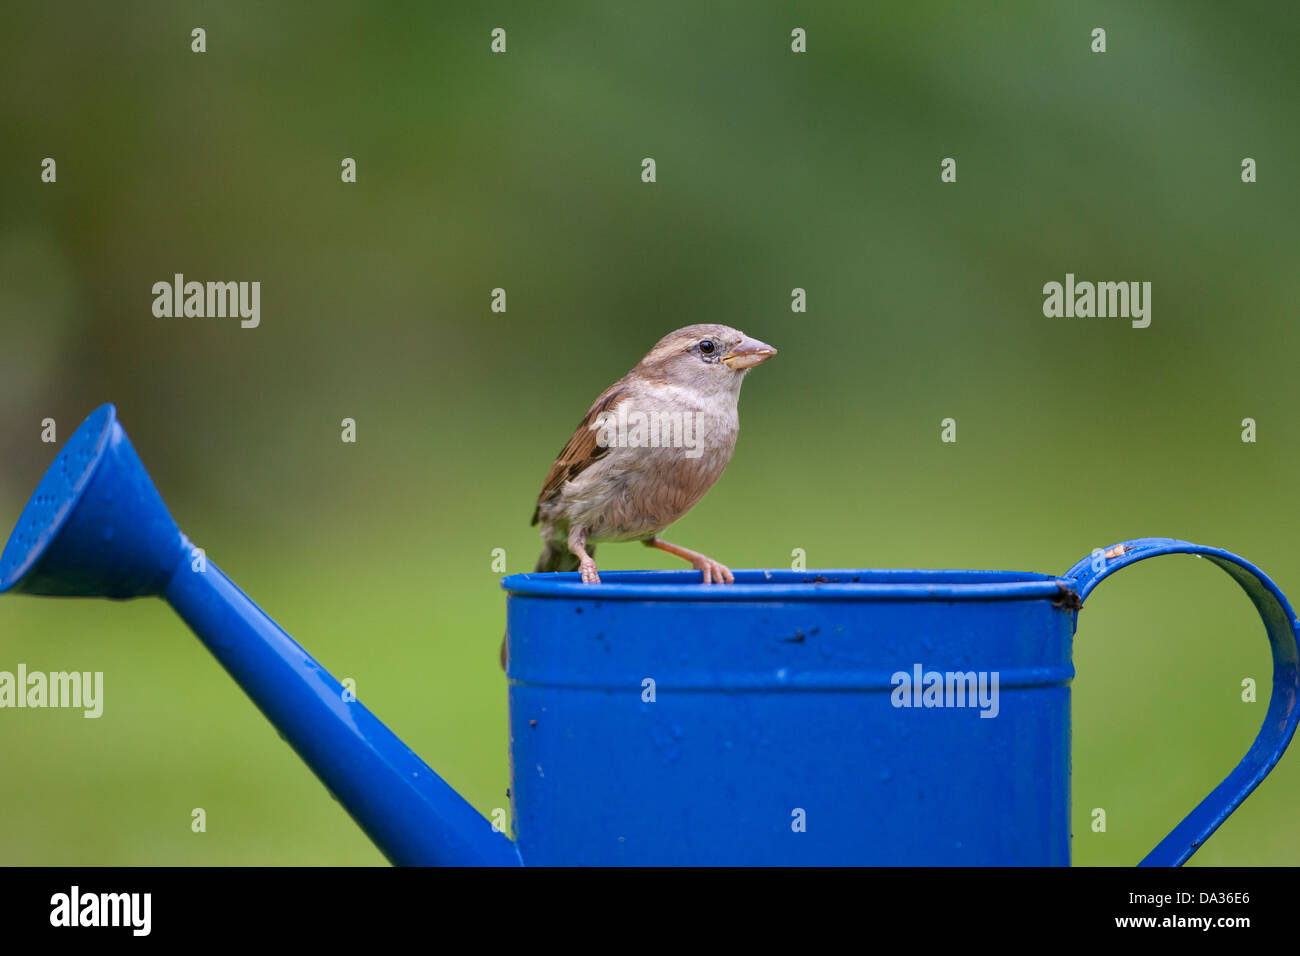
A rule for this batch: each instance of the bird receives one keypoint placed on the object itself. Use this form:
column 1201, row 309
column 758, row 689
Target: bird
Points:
column 647, row 450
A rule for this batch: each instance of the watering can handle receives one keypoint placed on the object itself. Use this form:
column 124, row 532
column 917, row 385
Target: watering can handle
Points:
column 1283, row 706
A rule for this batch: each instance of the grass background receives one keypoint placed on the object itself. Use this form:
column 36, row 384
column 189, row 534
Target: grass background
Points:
column 775, row 170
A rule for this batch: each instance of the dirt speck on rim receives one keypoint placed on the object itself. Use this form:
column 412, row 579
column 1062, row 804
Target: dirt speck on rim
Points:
column 1068, row 599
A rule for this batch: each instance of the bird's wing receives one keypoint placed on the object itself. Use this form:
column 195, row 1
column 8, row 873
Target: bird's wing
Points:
column 582, row 451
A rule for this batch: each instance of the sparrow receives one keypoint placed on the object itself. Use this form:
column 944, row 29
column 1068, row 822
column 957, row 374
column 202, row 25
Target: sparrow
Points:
column 647, row 450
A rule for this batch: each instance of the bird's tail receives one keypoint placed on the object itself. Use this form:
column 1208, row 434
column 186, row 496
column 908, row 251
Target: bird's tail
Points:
column 552, row 558
column 559, row 558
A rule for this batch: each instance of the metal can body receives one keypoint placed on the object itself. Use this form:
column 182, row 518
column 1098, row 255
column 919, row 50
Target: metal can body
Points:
column 834, row 717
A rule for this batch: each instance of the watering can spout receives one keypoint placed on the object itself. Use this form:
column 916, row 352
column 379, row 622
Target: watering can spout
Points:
column 97, row 527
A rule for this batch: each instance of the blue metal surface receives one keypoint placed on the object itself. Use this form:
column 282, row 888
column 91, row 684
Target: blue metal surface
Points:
column 655, row 720
column 767, row 707
column 1280, row 720
column 96, row 527
column 410, row 813
column 774, row 695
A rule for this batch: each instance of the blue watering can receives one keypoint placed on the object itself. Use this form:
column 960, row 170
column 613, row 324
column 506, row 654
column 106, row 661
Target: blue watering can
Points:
column 833, row 717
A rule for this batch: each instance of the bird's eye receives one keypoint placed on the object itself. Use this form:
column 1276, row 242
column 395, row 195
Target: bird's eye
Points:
column 707, row 347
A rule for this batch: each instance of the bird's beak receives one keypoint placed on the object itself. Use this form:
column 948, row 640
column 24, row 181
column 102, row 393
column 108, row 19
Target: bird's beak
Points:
column 748, row 353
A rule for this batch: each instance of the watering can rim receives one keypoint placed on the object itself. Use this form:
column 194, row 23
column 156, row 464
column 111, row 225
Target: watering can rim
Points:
column 759, row 584
column 20, row 555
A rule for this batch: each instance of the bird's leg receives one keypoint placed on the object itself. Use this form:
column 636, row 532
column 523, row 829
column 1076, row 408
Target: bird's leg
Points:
column 713, row 570
column 578, row 545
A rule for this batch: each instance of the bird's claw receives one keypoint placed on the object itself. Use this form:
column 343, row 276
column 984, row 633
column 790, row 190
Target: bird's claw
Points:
column 588, row 571
column 714, row 571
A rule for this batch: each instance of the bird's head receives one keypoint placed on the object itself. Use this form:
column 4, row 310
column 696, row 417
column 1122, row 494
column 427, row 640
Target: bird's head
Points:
column 707, row 358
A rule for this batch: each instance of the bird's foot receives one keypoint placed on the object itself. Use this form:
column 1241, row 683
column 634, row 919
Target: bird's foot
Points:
column 587, row 569
column 714, row 571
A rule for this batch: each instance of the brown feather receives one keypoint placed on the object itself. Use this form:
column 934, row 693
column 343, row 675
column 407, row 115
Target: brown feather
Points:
column 582, row 450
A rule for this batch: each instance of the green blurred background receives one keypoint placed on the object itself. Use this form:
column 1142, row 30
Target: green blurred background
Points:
column 522, row 170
